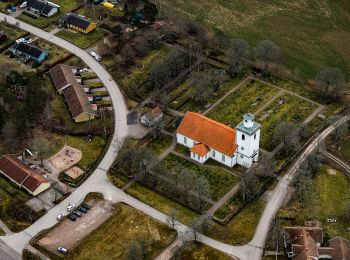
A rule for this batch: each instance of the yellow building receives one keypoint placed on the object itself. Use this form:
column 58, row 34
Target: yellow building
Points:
column 79, row 23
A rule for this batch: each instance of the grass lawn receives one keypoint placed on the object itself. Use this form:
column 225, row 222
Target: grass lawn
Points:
column 160, row 144
column 239, row 230
column 311, row 34
column 13, row 212
column 232, row 206
column 287, row 108
column 161, row 203
column 246, row 99
column 91, row 151
column 333, row 194
column 55, row 53
column 219, row 179
column 345, row 150
column 42, row 22
column 198, row 251
column 113, row 238
column 80, row 39
column 88, row 75
column 94, row 84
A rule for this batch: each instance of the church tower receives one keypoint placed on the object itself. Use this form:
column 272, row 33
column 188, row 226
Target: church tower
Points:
column 248, row 140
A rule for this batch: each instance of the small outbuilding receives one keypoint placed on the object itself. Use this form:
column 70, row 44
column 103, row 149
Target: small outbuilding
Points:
column 152, row 117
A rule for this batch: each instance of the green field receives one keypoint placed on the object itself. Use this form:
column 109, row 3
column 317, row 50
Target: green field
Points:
column 239, row 230
column 311, row 34
column 82, row 40
column 345, row 150
column 333, row 194
column 113, row 238
column 198, row 251
column 220, row 180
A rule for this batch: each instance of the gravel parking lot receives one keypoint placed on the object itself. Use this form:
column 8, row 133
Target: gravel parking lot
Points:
column 68, row 233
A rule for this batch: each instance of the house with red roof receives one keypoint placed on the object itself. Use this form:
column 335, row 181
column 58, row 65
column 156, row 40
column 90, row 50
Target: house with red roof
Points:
column 207, row 139
column 22, row 175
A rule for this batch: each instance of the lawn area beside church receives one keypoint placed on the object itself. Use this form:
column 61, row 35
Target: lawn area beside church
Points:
column 220, row 180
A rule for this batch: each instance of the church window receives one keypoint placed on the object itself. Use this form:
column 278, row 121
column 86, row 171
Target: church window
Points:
column 243, row 137
column 223, row 158
column 185, row 140
column 254, row 136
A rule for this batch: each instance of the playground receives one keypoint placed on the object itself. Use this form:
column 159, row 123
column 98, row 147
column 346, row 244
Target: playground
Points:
column 65, row 158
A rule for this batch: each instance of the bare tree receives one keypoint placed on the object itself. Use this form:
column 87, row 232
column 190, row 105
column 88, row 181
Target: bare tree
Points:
column 41, row 147
column 172, row 218
column 237, row 55
column 330, row 81
column 249, row 187
column 268, row 52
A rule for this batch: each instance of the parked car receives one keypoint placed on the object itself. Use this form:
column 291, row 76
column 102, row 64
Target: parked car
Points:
column 97, row 98
column 72, row 217
column 92, row 53
column 60, row 216
column 62, row 250
column 81, row 209
column 98, row 57
column 70, row 207
column 23, row 5
column 87, row 206
column 77, row 214
column 20, row 40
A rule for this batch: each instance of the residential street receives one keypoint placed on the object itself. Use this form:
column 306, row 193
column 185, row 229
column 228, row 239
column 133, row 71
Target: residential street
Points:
column 98, row 181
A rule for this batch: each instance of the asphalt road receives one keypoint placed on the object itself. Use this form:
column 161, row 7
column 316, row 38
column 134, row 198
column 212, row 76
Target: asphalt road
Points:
column 98, row 181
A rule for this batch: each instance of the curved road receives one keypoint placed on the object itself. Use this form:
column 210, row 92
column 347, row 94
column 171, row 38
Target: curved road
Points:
column 98, row 181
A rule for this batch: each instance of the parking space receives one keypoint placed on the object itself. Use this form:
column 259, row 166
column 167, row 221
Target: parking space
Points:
column 67, row 233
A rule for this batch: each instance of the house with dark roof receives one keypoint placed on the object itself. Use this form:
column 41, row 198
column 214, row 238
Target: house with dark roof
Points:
column 152, row 117
column 29, row 51
column 78, row 22
column 22, row 175
column 66, row 83
column 207, row 139
column 44, row 8
column 304, row 243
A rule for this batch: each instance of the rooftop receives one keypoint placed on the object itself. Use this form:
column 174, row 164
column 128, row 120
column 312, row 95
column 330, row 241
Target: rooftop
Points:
column 213, row 134
column 249, row 131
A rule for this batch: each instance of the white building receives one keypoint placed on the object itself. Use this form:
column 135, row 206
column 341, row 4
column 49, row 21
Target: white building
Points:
column 207, row 138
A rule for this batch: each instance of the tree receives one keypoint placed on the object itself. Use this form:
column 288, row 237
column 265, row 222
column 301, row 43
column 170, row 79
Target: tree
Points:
column 288, row 134
column 237, row 56
column 276, row 234
column 267, row 52
column 134, row 251
column 157, row 129
column 159, row 74
column 266, row 166
column 330, row 81
column 201, row 85
column 41, row 146
column 172, row 218
column 249, row 187
column 197, row 226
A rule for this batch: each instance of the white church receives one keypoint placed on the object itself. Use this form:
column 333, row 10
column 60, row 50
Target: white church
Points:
column 207, row 138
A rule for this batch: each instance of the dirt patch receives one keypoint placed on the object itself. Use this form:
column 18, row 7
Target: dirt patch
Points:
column 74, row 172
column 331, row 171
column 67, row 157
column 68, row 233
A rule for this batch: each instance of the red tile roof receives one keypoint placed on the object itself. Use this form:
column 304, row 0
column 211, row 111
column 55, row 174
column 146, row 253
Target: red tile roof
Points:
column 62, row 75
column 213, row 134
column 341, row 248
column 200, row 149
column 18, row 171
column 77, row 100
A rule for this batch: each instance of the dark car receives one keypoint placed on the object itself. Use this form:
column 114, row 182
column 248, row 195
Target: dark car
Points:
column 81, row 209
column 72, row 217
column 87, row 206
column 77, row 214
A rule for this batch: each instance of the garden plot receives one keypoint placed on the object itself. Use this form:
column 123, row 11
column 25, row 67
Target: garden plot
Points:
column 138, row 74
column 286, row 108
column 247, row 99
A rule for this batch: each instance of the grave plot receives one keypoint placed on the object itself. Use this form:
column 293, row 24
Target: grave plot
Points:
column 286, row 108
column 247, row 99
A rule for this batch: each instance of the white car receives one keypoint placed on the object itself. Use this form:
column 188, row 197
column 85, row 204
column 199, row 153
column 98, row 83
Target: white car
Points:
column 60, row 216
column 98, row 57
column 70, row 207
column 20, row 40
column 62, row 250
column 23, row 5
column 92, row 53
